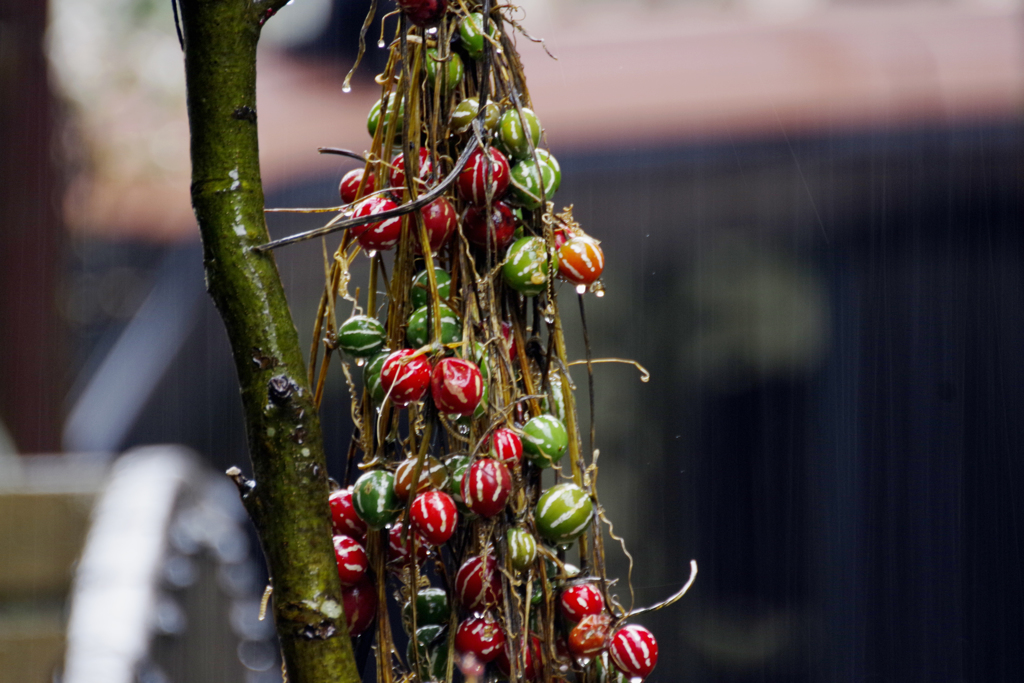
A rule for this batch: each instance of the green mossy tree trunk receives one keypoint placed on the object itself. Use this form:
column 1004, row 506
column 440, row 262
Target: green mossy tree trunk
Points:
column 288, row 501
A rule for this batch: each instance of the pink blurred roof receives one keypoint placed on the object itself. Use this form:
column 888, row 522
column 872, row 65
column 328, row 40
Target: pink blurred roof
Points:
column 654, row 77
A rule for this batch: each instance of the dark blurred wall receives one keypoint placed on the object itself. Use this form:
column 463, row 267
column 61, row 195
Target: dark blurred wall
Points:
column 832, row 429
column 31, row 338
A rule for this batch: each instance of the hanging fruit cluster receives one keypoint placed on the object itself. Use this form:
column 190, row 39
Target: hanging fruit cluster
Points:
column 466, row 405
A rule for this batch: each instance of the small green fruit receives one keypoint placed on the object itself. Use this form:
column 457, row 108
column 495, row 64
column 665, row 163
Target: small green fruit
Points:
column 371, row 376
column 525, row 183
column 431, row 607
column 554, row 400
column 373, row 120
column 471, row 34
column 419, row 329
column 563, row 513
column 457, row 466
column 361, row 336
column 455, row 69
column 547, row 159
column 420, row 294
column 522, row 548
column 466, row 111
column 545, row 440
column 374, row 499
column 526, row 266
column 514, row 138
column 428, row 638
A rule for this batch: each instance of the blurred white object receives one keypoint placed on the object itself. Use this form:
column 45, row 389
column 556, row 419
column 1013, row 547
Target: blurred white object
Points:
column 116, row 588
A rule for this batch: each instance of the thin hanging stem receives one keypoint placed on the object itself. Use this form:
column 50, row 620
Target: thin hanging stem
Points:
column 672, row 598
column 402, row 210
column 347, row 84
column 590, row 368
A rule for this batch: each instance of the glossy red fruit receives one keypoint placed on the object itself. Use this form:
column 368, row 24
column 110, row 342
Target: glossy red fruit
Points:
column 424, row 12
column 634, row 651
column 507, row 446
column 352, row 560
column 472, row 183
column 503, row 223
column 456, row 386
column 398, row 551
column 534, row 665
column 581, row 600
column 360, row 604
column 589, row 638
column 405, row 379
column 425, row 171
column 343, row 514
column 377, row 236
column 482, row 637
column 440, row 219
column 350, row 185
column 434, row 516
column 478, row 583
column 580, row 260
column 486, row 487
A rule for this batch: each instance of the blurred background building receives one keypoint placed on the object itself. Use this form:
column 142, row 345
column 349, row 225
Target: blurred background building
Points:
column 812, row 211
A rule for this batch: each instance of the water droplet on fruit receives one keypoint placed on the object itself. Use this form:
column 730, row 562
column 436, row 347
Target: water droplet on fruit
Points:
column 580, row 289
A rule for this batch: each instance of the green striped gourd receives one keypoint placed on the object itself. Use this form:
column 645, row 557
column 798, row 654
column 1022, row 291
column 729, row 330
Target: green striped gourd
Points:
column 419, row 295
column 545, row 440
column 512, row 134
column 525, row 183
column 432, row 607
column 419, row 329
column 526, row 266
column 374, row 498
column 371, row 376
column 361, row 336
column 522, row 548
column 563, row 513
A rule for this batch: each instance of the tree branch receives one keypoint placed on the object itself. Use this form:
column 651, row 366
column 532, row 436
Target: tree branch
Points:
column 288, row 503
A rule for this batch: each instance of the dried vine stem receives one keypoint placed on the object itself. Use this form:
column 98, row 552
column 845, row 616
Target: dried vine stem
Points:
column 672, row 598
column 645, row 374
